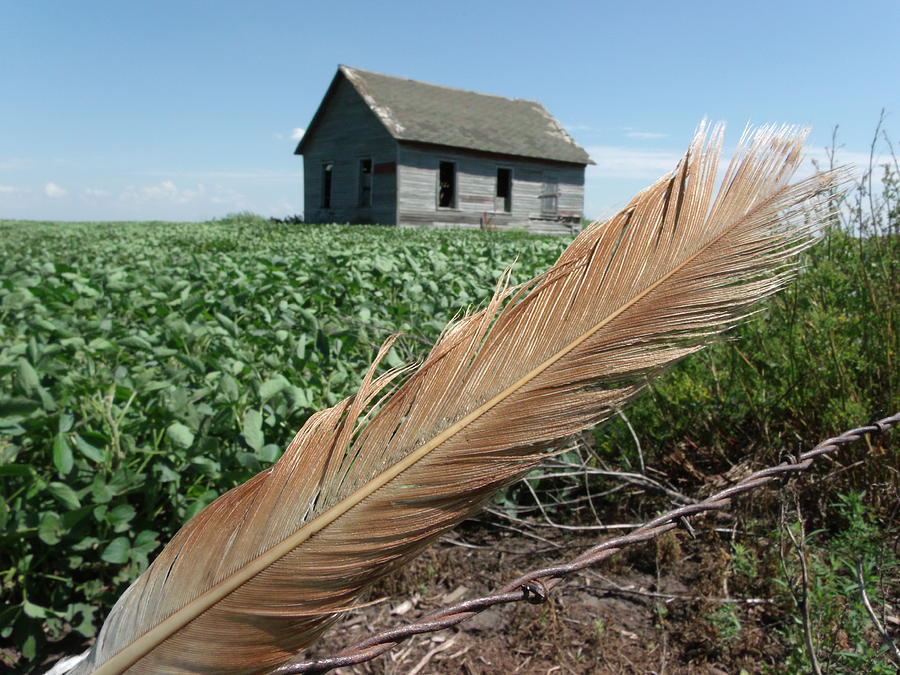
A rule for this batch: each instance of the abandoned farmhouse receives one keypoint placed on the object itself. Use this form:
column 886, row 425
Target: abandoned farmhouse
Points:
column 388, row 150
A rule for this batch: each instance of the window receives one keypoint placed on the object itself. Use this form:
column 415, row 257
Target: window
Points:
column 550, row 195
column 447, row 185
column 327, row 181
column 365, row 182
column 503, row 195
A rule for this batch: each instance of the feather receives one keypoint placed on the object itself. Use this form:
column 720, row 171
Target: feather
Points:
column 263, row 571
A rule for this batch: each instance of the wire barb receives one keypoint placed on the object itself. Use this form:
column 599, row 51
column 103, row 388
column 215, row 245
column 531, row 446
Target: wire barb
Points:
column 535, row 586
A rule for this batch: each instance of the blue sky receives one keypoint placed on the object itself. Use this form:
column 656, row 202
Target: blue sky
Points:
column 186, row 110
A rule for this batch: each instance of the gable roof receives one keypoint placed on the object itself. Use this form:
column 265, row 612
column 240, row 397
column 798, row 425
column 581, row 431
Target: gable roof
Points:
column 428, row 113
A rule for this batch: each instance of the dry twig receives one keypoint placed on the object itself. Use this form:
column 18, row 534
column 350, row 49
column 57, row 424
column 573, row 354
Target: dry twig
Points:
column 800, row 592
column 888, row 640
column 534, row 586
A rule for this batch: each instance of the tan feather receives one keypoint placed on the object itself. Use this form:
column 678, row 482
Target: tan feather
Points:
column 260, row 573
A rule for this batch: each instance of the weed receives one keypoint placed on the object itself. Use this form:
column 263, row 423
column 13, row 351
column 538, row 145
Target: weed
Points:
column 842, row 637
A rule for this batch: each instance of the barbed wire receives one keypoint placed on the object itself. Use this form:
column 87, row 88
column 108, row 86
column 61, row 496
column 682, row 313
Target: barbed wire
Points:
column 534, row 586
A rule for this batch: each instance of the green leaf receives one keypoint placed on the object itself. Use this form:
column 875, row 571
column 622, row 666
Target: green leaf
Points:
column 88, row 450
column 28, row 376
column 136, row 342
column 207, row 466
column 269, row 453
column 180, row 435
column 15, row 470
column 34, row 611
column 86, row 626
column 272, row 387
column 47, row 400
column 120, row 517
column 191, row 362
column 166, row 474
column 301, row 397
column 101, row 492
column 66, row 422
column 8, row 617
column 393, row 359
column 229, row 388
column 62, row 455
column 145, row 542
column 71, row 518
column 49, row 529
column 17, row 406
column 64, row 494
column 86, row 543
column 29, row 647
column 248, row 461
column 118, row 551
column 227, row 324
column 100, row 344
column 252, row 431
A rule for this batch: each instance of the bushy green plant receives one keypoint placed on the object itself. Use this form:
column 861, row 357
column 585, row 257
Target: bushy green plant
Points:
column 246, row 218
column 820, row 357
column 843, row 635
column 147, row 368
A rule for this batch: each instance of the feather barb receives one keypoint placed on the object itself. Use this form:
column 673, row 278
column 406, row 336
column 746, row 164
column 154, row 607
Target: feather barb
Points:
column 261, row 572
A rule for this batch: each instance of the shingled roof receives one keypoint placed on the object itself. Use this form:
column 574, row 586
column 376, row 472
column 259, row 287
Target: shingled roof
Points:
column 428, row 113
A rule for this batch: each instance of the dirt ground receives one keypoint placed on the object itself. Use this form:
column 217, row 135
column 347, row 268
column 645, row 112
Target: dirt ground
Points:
column 653, row 608
column 670, row 606
column 630, row 614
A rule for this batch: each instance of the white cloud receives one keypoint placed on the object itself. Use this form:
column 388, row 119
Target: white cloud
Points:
column 267, row 176
column 625, row 162
column 295, row 135
column 9, row 189
column 228, row 197
column 644, row 135
column 858, row 160
column 618, row 162
column 621, row 172
column 167, row 192
column 93, row 194
column 54, row 191
column 280, row 209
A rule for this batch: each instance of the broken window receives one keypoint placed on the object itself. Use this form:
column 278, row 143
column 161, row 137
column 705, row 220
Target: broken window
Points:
column 503, row 195
column 327, row 172
column 365, row 182
column 447, row 185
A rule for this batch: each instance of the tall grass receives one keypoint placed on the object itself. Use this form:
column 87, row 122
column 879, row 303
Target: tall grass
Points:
column 821, row 357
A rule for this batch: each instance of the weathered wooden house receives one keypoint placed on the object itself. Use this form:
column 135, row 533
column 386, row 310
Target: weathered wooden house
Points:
column 388, row 150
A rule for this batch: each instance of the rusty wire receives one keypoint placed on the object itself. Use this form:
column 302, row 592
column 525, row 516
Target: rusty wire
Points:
column 535, row 586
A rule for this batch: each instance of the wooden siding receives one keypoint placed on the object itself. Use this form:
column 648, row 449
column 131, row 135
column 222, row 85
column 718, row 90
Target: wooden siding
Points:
column 347, row 132
column 476, row 177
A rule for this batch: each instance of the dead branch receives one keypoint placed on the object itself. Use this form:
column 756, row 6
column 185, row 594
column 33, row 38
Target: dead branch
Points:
column 888, row 640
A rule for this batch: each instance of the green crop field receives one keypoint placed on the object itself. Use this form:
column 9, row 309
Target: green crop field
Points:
column 145, row 368
column 148, row 367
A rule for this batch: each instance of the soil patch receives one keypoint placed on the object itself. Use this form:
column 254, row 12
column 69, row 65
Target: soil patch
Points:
column 644, row 612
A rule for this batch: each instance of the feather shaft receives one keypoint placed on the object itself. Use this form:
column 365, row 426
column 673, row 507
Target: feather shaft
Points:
column 650, row 286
